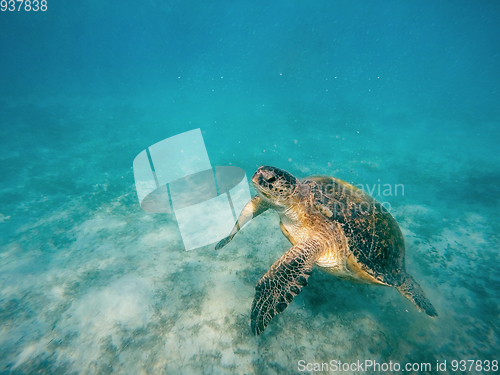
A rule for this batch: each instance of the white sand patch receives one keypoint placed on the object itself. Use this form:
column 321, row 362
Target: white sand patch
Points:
column 29, row 352
column 4, row 218
column 147, row 218
column 208, row 334
column 57, row 292
column 466, row 238
column 105, row 263
column 474, row 219
column 10, row 253
column 75, row 265
column 227, row 296
column 159, row 238
column 99, row 223
column 8, row 291
column 124, row 304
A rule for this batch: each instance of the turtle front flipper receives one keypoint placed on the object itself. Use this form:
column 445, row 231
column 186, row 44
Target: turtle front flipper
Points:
column 284, row 280
column 253, row 208
column 411, row 290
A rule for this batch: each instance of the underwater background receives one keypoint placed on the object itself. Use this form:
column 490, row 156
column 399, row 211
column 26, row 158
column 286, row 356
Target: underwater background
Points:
column 372, row 92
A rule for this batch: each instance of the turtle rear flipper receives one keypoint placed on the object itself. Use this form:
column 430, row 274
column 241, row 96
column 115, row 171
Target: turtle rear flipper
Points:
column 411, row 290
column 284, row 280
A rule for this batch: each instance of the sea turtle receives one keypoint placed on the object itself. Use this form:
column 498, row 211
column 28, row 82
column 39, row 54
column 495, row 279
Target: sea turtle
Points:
column 333, row 225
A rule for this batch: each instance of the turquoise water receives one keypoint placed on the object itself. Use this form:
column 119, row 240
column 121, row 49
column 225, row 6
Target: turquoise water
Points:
column 372, row 92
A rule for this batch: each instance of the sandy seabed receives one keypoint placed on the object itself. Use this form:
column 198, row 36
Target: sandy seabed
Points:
column 90, row 284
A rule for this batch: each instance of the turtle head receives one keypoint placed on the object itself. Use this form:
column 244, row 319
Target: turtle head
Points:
column 275, row 185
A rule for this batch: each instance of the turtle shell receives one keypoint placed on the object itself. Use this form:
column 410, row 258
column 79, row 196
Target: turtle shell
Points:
column 374, row 236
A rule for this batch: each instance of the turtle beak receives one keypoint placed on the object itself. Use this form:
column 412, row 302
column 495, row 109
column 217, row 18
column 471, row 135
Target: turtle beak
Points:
column 257, row 179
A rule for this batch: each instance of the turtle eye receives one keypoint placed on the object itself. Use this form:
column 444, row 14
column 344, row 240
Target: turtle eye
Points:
column 268, row 176
column 272, row 179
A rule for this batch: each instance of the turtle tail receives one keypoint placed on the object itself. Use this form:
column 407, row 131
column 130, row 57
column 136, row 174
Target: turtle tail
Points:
column 411, row 290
